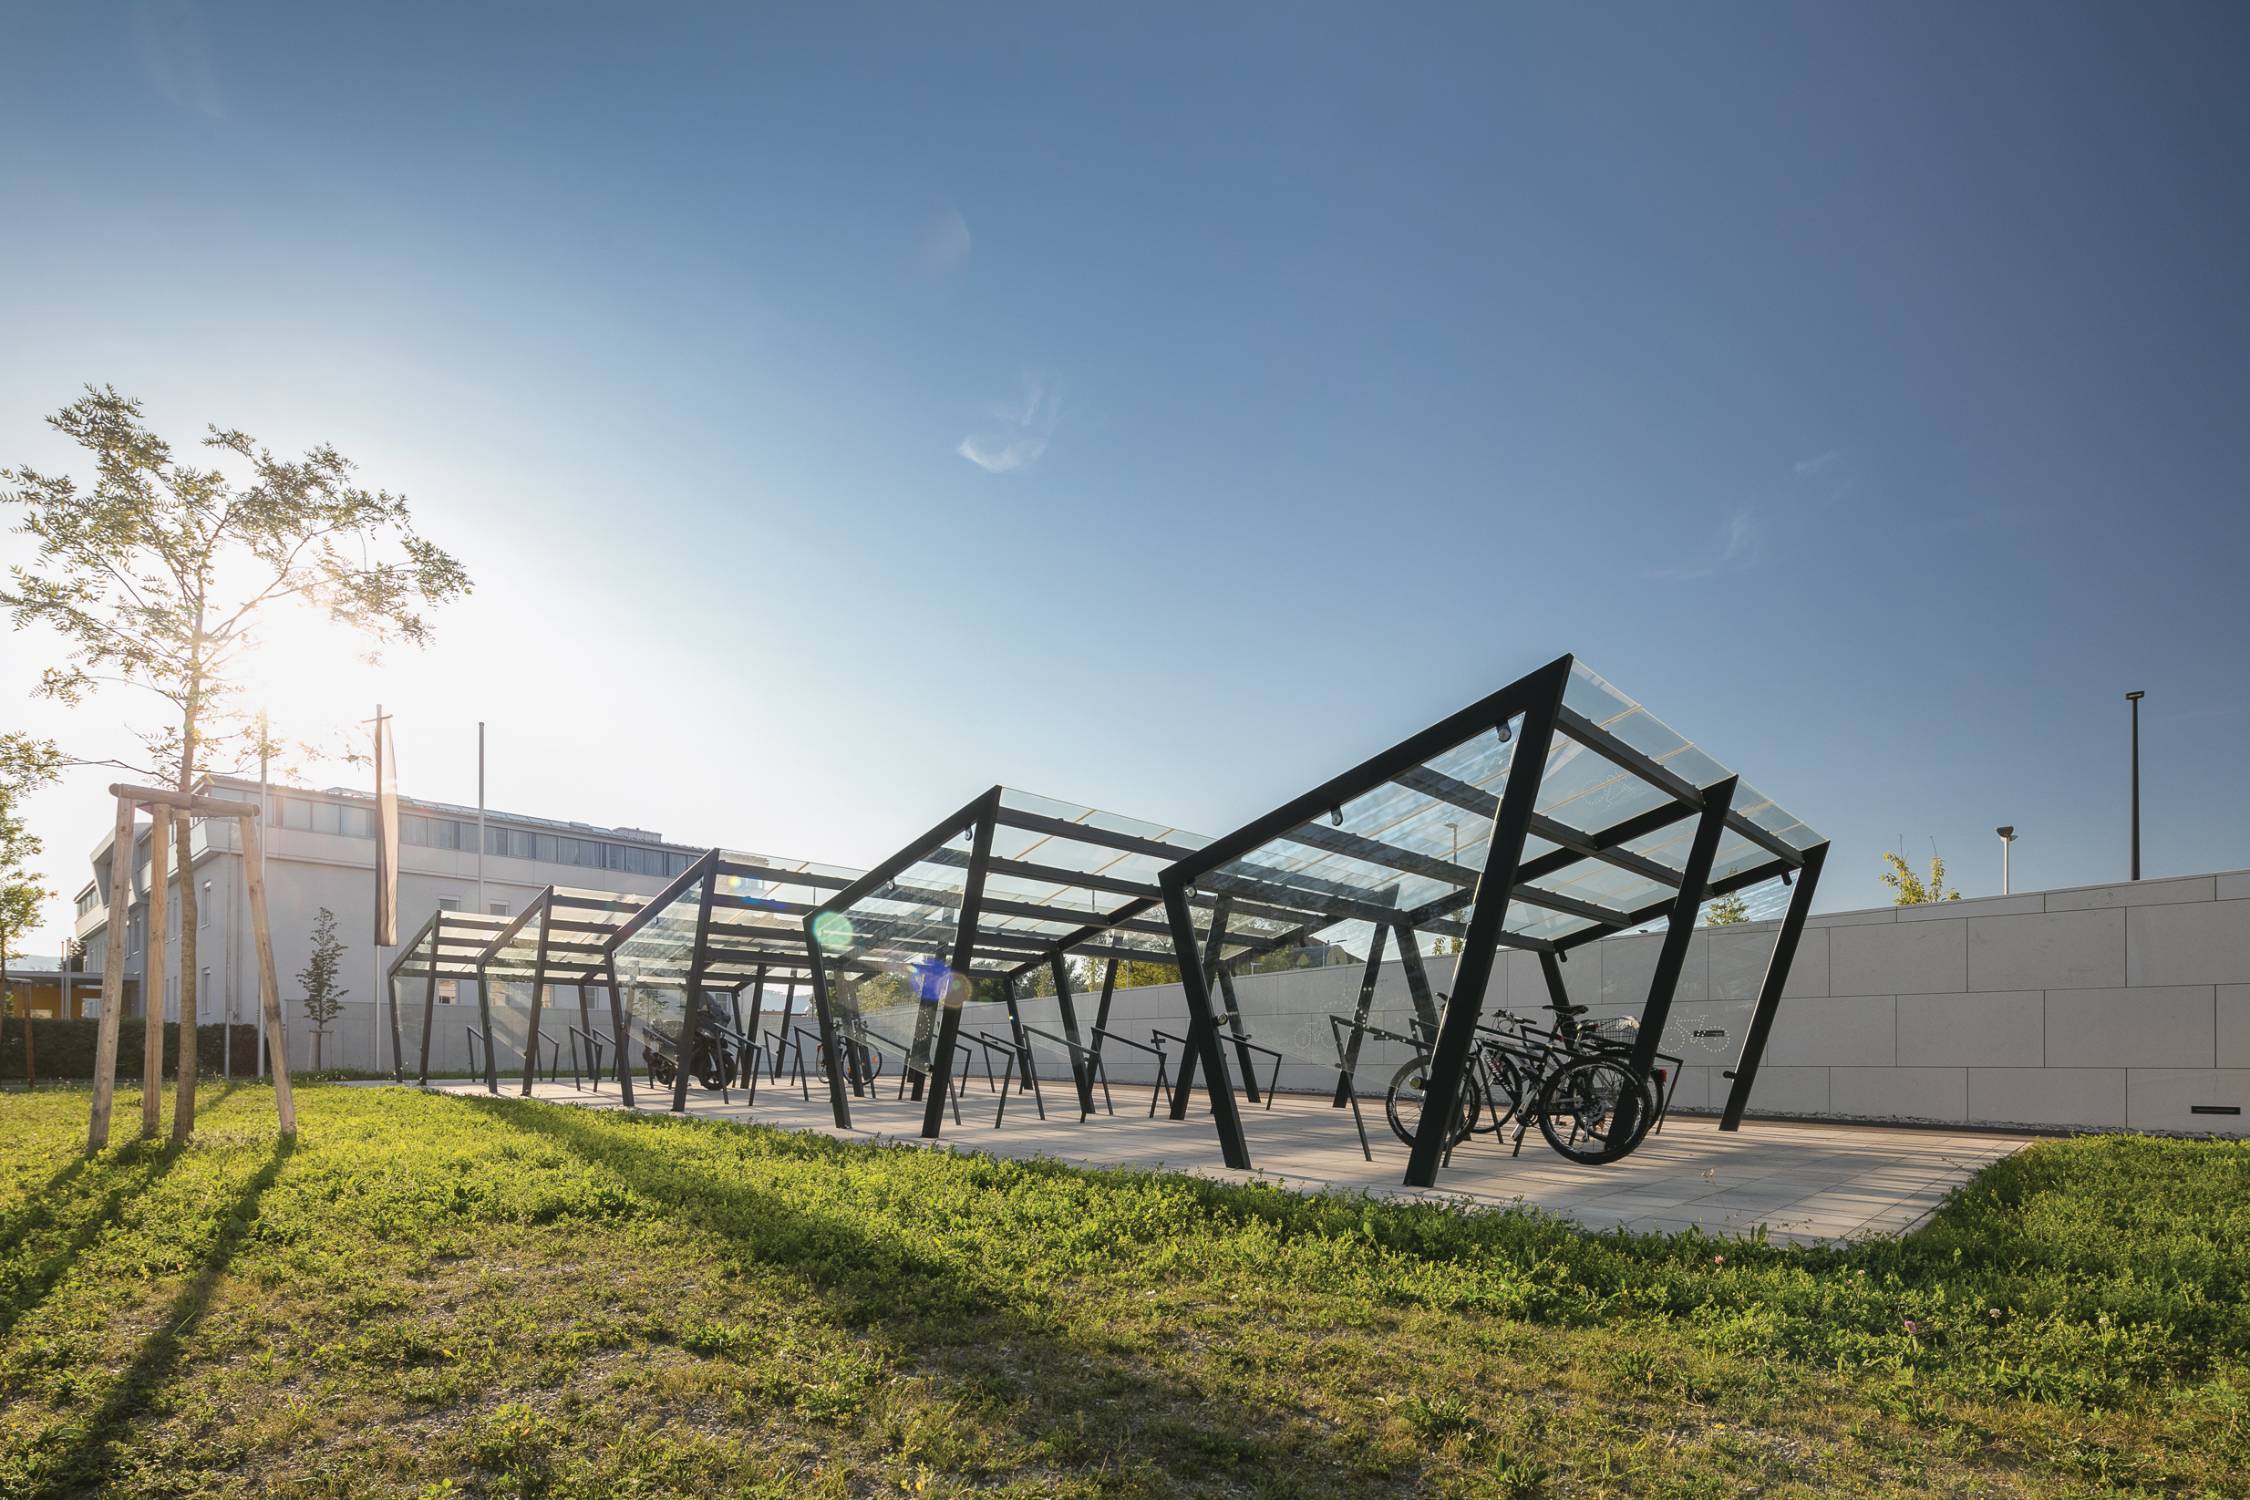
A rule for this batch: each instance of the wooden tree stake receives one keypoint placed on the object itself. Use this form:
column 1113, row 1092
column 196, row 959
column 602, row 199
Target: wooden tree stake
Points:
column 153, row 973
column 113, row 977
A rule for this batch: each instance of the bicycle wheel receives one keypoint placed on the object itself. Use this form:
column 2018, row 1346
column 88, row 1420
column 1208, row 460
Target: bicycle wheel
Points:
column 1503, row 1086
column 1583, row 1110
column 1402, row 1103
column 714, row 1066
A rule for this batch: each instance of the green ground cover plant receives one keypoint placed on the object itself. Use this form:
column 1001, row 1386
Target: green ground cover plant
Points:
column 435, row 1295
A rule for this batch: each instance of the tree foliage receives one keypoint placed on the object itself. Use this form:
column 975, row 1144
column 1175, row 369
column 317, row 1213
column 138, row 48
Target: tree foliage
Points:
column 1725, row 911
column 26, row 764
column 1909, row 888
column 324, row 997
column 166, row 575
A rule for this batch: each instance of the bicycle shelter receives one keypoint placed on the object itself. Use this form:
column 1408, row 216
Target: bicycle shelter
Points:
column 993, row 901
column 1549, row 814
column 730, row 923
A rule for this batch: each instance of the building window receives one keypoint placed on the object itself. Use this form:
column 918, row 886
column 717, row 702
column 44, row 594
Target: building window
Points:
column 497, row 908
column 449, row 903
column 296, row 812
column 359, row 822
column 203, row 907
column 448, row 991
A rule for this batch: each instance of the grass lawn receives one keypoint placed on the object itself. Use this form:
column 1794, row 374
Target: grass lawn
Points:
column 440, row 1296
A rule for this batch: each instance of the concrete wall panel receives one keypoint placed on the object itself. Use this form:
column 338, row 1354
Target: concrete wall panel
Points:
column 2003, row 1029
column 2062, row 950
column 2047, row 1096
column 1900, row 1093
column 1859, row 1031
column 2171, row 1027
column 2202, row 943
column 2234, row 1026
column 2165, row 1098
column 1895, row 958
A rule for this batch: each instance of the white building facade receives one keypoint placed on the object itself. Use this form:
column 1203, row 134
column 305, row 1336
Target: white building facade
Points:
column 320, row 852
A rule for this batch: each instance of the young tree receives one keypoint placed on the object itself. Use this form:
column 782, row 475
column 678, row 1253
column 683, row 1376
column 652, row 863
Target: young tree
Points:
column 1911, row 889
column 324, row 998
column 164, row 576
column 26, row 765
column 1725, row 911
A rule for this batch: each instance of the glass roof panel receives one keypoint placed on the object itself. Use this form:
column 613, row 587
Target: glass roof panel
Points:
column 1418, row 843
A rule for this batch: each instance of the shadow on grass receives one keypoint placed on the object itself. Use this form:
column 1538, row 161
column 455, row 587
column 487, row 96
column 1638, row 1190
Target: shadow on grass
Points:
column 944, row 1319
column 86, row 1466
column 142, row 1163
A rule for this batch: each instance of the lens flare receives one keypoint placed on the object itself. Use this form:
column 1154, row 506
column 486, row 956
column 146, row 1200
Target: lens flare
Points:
column 833, row 931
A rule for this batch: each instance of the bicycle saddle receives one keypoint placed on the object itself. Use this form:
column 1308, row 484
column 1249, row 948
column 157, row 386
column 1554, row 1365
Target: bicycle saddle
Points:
column 1569, row 1010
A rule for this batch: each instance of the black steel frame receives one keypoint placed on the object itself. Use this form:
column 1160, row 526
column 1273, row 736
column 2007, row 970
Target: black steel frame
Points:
column 1534, row 705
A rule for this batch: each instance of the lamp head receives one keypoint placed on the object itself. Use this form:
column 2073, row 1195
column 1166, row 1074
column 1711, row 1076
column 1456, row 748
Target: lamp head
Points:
column 2135, row 697
column 2006, row 831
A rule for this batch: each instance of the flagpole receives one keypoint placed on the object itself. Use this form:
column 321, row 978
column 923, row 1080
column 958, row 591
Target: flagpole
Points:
column 481, row 907
column 375, row 1006
column 265, row 814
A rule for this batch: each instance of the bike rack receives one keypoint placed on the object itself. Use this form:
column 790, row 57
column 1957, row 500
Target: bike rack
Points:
column 595, row 1047
column 1088, row 1062
column 1233, row 1039
column 1163, row 1065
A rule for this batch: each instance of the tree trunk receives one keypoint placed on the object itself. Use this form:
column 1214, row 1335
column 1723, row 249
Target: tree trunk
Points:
column 320, row 1034
column 183, row 1104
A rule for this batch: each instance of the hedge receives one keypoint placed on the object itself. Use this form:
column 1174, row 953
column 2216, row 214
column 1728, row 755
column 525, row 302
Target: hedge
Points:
column 65, row 1049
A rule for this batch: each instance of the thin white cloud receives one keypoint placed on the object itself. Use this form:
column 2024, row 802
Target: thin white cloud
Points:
column 1737, row 548
column 1807, row 467
column 175, row 50
column 1004, row 458
column 1018, row 432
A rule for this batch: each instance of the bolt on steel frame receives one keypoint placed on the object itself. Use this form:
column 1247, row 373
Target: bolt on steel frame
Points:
column 1573, row 814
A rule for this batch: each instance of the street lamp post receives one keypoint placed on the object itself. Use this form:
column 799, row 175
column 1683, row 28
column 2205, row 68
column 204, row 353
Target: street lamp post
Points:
column 2007, row 832
column 2134, row 698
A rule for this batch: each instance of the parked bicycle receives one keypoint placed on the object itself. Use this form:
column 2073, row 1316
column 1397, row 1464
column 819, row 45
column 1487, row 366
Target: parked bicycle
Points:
column 1575, row 1081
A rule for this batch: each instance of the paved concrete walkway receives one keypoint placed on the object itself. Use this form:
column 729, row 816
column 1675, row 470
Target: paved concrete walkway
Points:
column 1806, row 1183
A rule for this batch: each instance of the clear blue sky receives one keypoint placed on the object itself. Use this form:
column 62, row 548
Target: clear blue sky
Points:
column 1163, row 408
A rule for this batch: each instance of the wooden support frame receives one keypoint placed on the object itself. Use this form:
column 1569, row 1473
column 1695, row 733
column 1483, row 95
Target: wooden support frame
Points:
column 165, row 806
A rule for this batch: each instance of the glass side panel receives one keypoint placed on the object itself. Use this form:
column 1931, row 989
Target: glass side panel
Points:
column 886, row 955
column 653, row 964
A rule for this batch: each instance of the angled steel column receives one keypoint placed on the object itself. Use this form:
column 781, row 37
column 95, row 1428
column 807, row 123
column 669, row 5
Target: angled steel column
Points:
column 429, row 1002
column 781, row 1030
column 757, row 1004
column 1558, row 989
column 1695, row 881
column 585, row 1026
column 1417, row 977
column 484, row 1014
column 538, row 996
column 940, row 1078
column 1769, row 990
column 1488, row 912
column 621, row 1032
column 1367, row 978
column 1206, row 966
column 691, row 1013
column 1241, row 1037
column 1203, row 1030
column 1101, row 1011
column 839, row 1102
column 1067, row 1004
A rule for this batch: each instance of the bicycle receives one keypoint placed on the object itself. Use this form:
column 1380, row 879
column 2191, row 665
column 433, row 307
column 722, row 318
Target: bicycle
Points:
column 1576, row 1083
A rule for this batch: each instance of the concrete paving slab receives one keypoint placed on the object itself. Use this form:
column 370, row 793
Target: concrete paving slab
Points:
column 1800, row 1182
